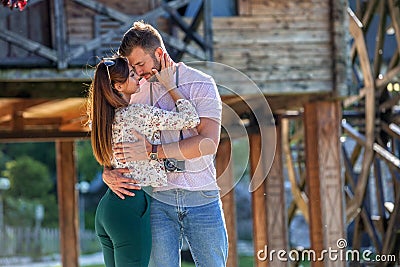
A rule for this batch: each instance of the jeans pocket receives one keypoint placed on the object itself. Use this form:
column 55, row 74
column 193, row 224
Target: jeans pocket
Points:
column 210, row 193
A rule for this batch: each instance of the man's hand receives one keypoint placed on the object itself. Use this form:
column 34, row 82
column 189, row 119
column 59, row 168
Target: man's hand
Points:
column 128, row 151
column 118, row 183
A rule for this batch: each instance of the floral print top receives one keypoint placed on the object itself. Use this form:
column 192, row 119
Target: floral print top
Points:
column 149, row 120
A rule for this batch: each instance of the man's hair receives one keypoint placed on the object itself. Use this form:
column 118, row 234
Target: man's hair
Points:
column 142, row 35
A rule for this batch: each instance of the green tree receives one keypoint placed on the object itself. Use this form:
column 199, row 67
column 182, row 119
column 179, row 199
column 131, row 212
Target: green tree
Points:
column 43, row 152
column 30, row 185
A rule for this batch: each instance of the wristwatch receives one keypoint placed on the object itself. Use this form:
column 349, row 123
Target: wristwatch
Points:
column 153, row 155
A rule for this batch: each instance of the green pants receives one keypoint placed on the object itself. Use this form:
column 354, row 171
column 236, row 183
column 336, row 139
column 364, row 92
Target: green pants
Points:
column 123, row 227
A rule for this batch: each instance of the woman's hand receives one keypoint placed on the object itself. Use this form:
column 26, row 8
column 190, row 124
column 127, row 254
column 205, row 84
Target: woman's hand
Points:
column 166, row 75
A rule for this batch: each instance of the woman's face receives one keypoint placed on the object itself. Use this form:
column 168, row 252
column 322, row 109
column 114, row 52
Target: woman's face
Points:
column 131, row 86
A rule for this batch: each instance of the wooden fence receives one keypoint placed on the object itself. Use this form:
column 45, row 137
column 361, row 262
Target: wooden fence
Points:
column 38, row 242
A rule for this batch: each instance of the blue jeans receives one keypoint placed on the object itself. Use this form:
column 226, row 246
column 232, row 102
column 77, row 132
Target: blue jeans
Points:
column 203, row 227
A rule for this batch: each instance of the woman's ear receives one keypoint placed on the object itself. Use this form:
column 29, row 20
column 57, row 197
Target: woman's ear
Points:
column 118, row 87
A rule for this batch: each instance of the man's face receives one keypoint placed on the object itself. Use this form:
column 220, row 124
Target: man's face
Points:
column 143, row 62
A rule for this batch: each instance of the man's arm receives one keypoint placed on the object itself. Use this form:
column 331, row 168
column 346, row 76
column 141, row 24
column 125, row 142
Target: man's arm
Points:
column 119, row 184
column 205, row 143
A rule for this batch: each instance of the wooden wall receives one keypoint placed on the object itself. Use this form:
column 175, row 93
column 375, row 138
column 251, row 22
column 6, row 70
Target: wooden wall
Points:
column 29, row 24
column 284, row 46
column 82, row 21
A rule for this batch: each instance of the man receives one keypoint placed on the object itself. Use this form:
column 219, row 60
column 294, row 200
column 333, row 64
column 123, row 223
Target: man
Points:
column 189, row 206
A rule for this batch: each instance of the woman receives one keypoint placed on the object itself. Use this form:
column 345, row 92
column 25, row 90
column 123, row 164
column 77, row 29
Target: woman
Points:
column 123, row 226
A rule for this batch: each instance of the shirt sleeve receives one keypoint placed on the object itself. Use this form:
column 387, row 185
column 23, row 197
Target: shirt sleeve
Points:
column 206, row 99
column 184, row 118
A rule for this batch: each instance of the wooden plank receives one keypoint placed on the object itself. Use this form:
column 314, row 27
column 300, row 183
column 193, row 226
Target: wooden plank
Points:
column 248, row 37
column 244, row 7
column 224, row 166
column 3, row 43
column 19, row 24
column 258, row 198
column 67, row 203
column 277, row 225
column 265, row 23
column 339, row 47
column 39, row 19
column 299, row 198
column 259, row 10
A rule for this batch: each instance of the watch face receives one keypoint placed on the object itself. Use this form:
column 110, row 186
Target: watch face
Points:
column 153, row 156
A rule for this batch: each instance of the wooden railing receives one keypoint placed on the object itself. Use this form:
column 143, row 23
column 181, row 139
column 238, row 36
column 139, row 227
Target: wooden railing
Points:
column 43, row 35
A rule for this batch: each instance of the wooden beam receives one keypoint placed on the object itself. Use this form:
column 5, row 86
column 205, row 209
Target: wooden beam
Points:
column 369, row 83
column 380, row 39
column 97, row 42
column 277, row 224
column 189, row 33
column 180, row 45
column 299, row 198
column 390, row 158
column 208, row 31
column 28, row 44
column 339, row 46
column 100, row 8
column 321, row 120
column 67, row 203
column 393, row 228
column 395, row 17
column 193, row 27
column 43, row 89
column 60, row 40
column 258, row 198
column 41, row 136
column 225, row 179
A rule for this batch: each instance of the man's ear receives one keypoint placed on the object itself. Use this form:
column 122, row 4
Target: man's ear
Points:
column 159, row 52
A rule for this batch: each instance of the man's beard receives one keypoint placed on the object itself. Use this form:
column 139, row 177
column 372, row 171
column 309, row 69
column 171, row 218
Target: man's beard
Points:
column 157, row 66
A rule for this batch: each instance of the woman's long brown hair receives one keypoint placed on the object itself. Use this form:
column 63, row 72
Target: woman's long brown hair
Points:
column 103, row 99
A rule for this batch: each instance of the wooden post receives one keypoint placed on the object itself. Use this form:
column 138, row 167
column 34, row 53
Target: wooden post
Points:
column 258, row 204
column 208, row 32
column 277, row 232
column 325, row 185
column 58, row 17
column 225, row 181
column 67, row 203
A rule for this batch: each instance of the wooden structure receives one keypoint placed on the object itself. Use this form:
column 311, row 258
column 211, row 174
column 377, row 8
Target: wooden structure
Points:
column 296, row 53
